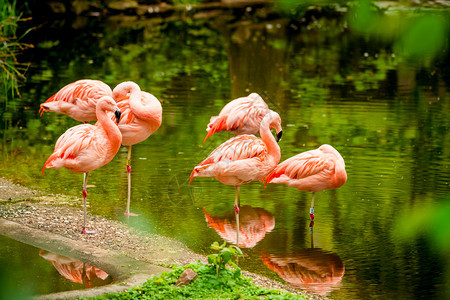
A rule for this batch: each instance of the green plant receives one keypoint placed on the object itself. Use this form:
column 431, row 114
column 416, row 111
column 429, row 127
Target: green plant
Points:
column 11, row 69
column 224, row 256
column 206, row 286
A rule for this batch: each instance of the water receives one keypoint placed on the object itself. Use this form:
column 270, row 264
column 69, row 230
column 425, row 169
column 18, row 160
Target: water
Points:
column 26, row 270
column 388, row 119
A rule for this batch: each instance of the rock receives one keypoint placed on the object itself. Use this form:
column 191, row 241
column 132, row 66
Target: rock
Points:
column 187, row 277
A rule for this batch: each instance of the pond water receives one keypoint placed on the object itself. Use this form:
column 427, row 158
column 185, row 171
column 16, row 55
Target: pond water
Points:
column 26, row 270
column 388, row 119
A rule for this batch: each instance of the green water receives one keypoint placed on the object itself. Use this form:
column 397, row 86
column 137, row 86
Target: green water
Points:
column 389, row 119
column 26, row 270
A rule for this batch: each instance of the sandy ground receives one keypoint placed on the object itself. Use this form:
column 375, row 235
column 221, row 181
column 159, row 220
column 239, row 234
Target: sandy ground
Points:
column 55, row 215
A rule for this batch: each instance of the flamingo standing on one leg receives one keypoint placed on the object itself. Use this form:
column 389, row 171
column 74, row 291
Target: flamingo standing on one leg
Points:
column 244, row 158
column 86, row 147
column 78, row 99
column 311, row 171
column 240, row 116
column 141, row 116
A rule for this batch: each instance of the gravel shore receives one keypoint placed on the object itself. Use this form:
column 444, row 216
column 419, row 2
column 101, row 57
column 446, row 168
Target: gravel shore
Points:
column 45, row 213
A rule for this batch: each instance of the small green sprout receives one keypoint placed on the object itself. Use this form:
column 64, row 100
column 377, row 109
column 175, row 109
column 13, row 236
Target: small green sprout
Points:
column 224, row 256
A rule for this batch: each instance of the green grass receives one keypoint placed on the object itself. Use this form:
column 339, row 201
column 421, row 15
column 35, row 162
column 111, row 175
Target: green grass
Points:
column 230, row 285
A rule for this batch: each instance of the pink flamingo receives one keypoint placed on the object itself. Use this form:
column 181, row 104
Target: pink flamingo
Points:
column 141, row 117
column 78, row 99
column 311, row 171
column 243, row 158
column 86, row 147
column 240, row 116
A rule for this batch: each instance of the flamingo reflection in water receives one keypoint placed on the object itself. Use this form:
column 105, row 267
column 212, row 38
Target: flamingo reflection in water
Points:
column 76, row 270
column 313, row 269
column 255, row 222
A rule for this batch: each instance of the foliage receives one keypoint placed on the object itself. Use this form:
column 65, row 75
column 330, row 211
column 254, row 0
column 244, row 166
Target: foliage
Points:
column 418, row 35
column 432, row 221
column 223, row 257
column 10, row 47
column 206, row 286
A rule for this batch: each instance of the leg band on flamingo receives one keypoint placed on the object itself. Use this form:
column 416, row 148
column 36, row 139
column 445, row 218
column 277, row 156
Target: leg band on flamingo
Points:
column 311, row 213
column 236, row 209
column 128, row 166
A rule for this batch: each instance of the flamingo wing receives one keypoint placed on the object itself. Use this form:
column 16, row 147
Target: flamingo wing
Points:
column 237, row 148
column 249, row 112
column 240, row 150
column 237, row 113
column 75, row 142
column 83, row 92
column 302, row 166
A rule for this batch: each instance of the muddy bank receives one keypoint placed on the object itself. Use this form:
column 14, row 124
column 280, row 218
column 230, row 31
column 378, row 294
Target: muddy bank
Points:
column 130, row 256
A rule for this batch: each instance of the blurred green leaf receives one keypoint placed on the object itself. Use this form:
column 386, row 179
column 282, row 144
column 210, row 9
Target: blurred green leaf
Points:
column 432, row 221
column 363, row 17
column 424, row 38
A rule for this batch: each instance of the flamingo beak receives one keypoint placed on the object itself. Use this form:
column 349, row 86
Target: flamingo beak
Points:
column 279, row 134
column 117, row 113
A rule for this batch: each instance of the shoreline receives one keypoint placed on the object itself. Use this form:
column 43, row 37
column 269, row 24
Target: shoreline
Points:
column 130, row 256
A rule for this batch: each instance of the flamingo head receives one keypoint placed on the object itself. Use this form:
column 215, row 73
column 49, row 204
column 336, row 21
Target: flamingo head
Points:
column 107, row 103
column 275, row 123
column 122, row 90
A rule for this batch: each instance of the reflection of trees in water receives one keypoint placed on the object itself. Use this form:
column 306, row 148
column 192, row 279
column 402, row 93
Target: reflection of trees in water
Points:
column 313, row 269
column 76, row 270
column 258, row 57
column 254, row 224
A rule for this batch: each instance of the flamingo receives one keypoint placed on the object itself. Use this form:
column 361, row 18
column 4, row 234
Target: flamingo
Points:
column 311, row 171
column 240, row 116
column 84, row 148
column 243, row 158
column 141, row 117
column 77, row 99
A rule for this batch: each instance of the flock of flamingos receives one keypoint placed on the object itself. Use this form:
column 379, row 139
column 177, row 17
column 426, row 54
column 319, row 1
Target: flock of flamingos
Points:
column 127, row 116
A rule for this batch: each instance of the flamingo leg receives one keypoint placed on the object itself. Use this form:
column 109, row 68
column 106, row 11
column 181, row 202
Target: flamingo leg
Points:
column 84, row 205
column 127, row 212
column 237, row 204
column 311, row 210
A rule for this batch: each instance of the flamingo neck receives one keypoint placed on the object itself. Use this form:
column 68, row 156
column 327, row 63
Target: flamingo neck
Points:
column 151, row 112
column 110, row 128
column 269, row 140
